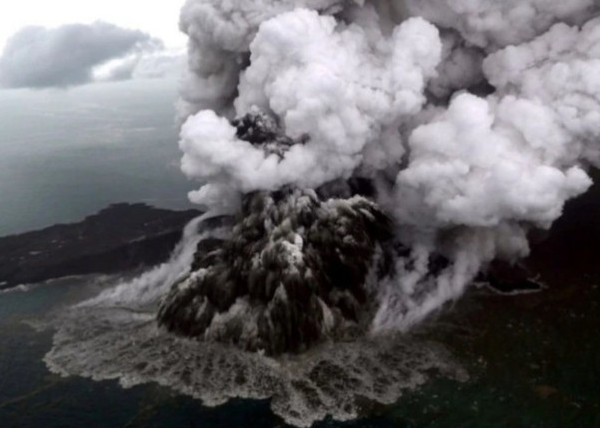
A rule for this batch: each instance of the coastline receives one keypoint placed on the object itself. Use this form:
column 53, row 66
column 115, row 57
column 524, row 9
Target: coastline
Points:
column 117, row 239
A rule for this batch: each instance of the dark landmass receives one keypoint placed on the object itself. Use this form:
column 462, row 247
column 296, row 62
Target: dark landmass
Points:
column 571, row 245
column 119, row 238
column 573, row 242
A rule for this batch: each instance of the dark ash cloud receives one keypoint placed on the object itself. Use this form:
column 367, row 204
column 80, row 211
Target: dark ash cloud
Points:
column 38, row 57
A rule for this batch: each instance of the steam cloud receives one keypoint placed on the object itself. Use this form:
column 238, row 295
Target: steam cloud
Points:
column 324, row 126
column 38, row 57
column 476, row 120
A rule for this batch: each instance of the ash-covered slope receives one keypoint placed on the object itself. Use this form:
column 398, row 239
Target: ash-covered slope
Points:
column 116, row 239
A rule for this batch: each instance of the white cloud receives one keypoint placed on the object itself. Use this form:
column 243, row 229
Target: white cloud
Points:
column 158, row 17
column 65, row 56
column 147, row 65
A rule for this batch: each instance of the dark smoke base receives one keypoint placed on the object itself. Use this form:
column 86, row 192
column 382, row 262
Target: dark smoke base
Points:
column 292, row 273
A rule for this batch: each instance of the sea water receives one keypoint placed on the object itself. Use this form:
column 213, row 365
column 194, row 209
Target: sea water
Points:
column 32, row 397
column 65, row 154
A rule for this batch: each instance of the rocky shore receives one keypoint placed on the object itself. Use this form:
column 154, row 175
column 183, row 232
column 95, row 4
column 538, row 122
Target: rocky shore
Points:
column 119, row 238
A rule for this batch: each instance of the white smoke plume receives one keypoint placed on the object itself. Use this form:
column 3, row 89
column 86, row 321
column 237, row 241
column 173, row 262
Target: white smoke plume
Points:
column 471, row 121
column 483, row 116
column 493, row 25
column 330, row 90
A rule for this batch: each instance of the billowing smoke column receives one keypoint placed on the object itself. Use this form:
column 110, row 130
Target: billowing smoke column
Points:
column 470, row 122
column 293, row 269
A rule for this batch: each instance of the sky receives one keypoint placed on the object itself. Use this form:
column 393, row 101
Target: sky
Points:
column 67, row 43
column 157, row 17
column 87, row 95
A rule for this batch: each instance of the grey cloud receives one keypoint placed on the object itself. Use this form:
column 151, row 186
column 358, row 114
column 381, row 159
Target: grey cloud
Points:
column 153, row 65
column 39, row 57
column 160, row 65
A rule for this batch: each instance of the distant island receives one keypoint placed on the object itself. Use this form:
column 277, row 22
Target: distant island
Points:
column 119, row 238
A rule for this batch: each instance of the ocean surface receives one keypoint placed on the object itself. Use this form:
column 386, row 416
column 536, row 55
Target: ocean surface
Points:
column 65, row 154
column 32, row 397
column 532, row 360
column 532, row 364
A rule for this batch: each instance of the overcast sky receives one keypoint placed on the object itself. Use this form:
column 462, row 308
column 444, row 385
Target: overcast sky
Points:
column 65, row 43
column 157, row 17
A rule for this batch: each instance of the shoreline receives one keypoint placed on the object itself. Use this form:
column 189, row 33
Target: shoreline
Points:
column 119, row 238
